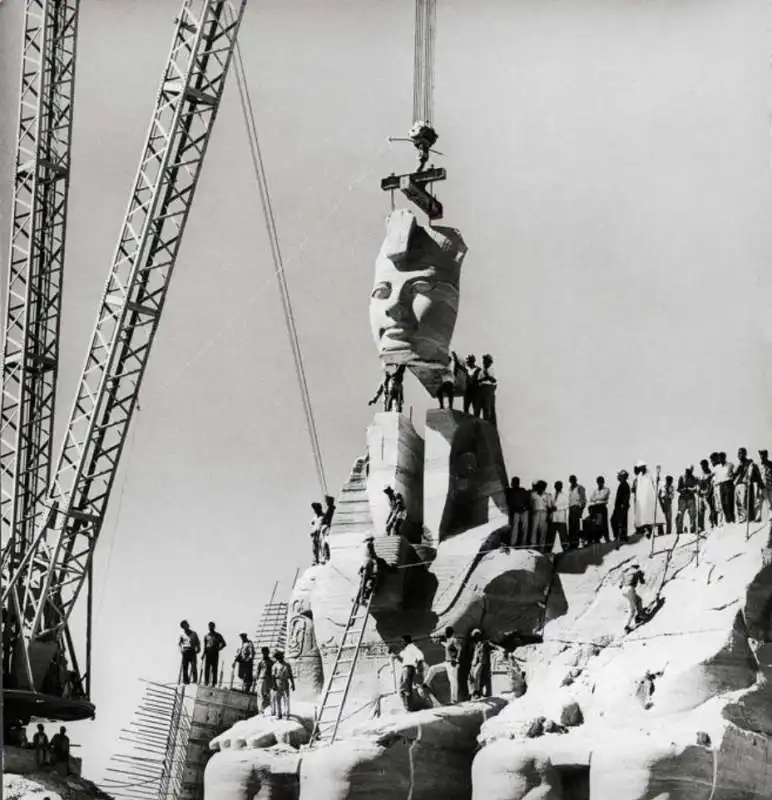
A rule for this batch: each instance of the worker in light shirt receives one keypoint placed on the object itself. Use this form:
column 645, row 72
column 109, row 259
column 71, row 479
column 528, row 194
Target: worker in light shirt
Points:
column 598, row 509
column 412, row 660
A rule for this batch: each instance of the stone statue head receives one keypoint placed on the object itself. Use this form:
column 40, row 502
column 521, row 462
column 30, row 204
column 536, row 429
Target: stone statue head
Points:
column 414, row 303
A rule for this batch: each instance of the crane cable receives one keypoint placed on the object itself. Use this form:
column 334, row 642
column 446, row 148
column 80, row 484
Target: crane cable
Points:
column 270, row 222
column 423, row 60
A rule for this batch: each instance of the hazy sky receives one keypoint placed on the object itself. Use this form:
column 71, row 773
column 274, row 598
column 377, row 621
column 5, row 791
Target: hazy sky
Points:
column 609, row 169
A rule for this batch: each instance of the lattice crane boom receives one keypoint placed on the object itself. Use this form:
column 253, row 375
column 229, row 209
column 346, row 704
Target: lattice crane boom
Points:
column 55, row 567
column 33, row 299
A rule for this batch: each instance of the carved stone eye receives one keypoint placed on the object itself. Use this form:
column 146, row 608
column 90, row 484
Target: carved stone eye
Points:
column 381, row 291
column 421, row 287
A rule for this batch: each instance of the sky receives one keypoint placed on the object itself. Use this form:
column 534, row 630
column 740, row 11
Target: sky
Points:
column 609, row 168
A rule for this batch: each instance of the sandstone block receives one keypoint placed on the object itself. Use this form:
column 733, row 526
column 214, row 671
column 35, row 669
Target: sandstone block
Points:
column 464, row 476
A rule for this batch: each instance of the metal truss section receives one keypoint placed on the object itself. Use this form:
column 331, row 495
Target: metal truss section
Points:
column 55, row 567
column 33, row 299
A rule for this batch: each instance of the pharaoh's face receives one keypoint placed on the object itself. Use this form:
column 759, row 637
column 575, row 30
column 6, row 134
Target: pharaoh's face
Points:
column 414, row 303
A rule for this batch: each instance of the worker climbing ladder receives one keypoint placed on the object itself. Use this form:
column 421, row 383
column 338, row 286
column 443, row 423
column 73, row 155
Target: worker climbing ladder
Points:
column 336, row 691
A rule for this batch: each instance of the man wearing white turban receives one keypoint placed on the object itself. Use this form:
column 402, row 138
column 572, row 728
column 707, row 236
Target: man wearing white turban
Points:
column 644, row 499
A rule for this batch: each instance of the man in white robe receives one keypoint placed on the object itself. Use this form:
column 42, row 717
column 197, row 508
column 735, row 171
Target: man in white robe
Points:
column 644, row 499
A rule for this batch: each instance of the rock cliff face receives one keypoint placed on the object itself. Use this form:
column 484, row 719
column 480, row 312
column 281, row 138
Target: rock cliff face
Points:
column 679, row 708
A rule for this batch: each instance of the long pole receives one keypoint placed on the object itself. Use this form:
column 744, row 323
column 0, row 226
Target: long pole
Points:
column 656, row 503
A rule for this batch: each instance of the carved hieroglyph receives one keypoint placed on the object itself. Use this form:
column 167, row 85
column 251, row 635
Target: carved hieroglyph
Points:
column 414, row 302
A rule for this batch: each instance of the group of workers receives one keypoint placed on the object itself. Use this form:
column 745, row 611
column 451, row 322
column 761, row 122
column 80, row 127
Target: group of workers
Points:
column 271, row 677
column 477, row 385
column 54, row 753
column 412, row 689
column 722, row 492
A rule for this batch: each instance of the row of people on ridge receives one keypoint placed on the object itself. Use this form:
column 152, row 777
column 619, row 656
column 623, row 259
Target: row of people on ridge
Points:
column 272, row 677
column 479, row 387
column 721, row 493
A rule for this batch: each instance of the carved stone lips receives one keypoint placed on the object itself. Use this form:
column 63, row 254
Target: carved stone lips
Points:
column 394, row 333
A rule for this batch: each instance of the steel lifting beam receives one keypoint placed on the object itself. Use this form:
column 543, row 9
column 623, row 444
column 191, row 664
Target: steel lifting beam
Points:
column 55, row 566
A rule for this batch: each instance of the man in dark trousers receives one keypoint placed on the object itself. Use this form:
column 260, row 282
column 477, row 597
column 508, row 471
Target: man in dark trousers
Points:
column 190, row 647
column 577, row 500
column 245, row 658
column 40, row 746
column 486, row 390
column 621, row 511
column 471, row 399
column 264, row 679
column 688, row 488
column 748, row 484
column 705, row 504
column 60, row 751
column 519, row 501
column 392, row 388
column 213, row 643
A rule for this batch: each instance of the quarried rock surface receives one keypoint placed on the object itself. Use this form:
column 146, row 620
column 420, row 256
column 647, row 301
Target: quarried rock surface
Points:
column 674, row 709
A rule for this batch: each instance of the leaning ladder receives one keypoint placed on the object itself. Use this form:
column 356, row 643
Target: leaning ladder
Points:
column 336, row 691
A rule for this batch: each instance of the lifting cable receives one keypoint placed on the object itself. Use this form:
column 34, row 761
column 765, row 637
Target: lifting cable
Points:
column 423, row 60
column 270, row 222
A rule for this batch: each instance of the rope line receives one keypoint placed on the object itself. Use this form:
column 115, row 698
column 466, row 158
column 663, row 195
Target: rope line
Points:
column 273, row 237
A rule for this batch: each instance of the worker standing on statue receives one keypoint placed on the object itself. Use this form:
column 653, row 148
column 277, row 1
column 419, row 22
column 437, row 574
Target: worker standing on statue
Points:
column 283, row 681
column 213, row 643
column 480, row 670
column 644, row 500
column 190, row 647
column 397, row 516
column 391, row 388
column 60, row 752
column 40, row 746
column 666, row 494
column 519, row 501
column 471, row 399
column 486, row 390
column 245, row 658
column 264, row 680
column 577, row 500
column 598, row 508
column 621, row 507
column 317, row 523
column 559, row 519
column 688, row 487
column 748, row 484
column 454, row 373
column 412, row 660
column 705, row 504
column 452, row 655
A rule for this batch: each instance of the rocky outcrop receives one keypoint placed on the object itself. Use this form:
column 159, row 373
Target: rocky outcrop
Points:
column 649, row 700
column 25, row 784
column 423, row 755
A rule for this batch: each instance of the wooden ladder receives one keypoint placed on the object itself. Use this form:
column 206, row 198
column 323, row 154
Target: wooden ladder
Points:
column 336, row 690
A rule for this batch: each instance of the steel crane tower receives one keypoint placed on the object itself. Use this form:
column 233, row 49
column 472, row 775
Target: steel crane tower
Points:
column 33, row 298
column 46, row 582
